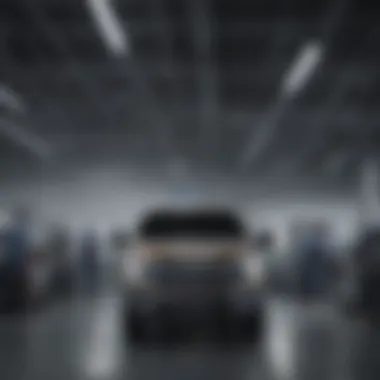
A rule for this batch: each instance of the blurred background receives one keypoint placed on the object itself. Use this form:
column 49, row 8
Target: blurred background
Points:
column 111, row 107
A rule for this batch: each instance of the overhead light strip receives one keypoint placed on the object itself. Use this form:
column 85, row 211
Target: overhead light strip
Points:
column 9, row 99
column 109, row 26
column 27, row 139
column 304, row 66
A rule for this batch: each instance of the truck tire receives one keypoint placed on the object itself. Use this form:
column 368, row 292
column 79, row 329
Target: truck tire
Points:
column 16, row 299
column 252, row 328
column 225, row 327
column 168, row 331
column 134, row 327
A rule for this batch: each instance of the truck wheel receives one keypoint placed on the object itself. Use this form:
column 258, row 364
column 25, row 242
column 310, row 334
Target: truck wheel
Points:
column 252, row 328
column 351, row 308
column 165, row 329
column 225, row 327
column 134, row 328
column 17, row 298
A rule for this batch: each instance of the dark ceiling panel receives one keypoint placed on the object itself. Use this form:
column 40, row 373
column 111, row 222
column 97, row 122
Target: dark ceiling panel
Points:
column 253, row 44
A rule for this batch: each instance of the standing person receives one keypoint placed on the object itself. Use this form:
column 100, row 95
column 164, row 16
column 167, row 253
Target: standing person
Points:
column 264, row 246
column 60, row 249
column 295, row 255
column 90, row 261
column 315, row 263
column 17, row 247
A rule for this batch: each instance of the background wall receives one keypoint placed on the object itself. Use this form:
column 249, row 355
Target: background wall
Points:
column 104, row 199
column 280, row 215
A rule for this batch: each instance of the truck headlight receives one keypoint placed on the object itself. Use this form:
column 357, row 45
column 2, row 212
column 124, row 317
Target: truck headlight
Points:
column 133, row 268
column 253, row 269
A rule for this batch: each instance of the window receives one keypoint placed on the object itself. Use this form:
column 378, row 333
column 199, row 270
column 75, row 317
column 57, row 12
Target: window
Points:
column 191, row 225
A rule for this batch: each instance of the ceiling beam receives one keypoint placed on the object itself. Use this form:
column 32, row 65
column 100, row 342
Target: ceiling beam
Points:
column 354, row 125
column 203, row 34
column 235, row 28
column 241, row 71
column 145, row 96
column 59, row 42
column 316, row 136
column 18, row 108
column 348, row 80
column 162, row 28
column 25, row 138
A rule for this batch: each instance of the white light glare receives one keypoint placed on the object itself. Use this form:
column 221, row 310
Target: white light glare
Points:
column 253, row 268
column 133, row 267
column 9, row 99
column 102, row 359
column 303, row 68
column 26, row 139
column 109, row 26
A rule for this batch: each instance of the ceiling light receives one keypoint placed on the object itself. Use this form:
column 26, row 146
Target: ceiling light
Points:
column 9, row 99
column 302, row 69
column 28, row 140
column 109, row 26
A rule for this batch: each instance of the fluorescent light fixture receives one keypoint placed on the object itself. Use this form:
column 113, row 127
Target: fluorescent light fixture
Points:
column 10, row 99
column 302, row 69
column 265, row 131
column 295, row 79
column 24, row 138
column 109, row 26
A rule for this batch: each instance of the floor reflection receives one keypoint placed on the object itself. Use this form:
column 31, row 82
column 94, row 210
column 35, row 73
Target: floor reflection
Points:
column 195, row 363
column 364, row 360
column 82, row 340
column 14, row 348
column 103, row 357
column 280, row 340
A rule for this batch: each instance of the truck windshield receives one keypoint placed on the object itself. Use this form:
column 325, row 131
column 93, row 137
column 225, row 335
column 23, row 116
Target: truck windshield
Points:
column 191, row 225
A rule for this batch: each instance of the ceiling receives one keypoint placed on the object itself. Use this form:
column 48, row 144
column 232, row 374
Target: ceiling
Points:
column 200, row 82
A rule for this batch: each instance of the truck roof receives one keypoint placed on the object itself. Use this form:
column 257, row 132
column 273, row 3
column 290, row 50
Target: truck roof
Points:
column 192, row 223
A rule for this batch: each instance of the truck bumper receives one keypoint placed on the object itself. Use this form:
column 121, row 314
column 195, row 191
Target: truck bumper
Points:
column 236, row 304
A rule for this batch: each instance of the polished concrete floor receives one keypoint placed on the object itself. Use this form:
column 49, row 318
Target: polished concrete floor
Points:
column 80, row 339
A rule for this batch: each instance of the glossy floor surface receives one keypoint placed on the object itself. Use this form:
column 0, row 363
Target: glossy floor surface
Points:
column 80, row 339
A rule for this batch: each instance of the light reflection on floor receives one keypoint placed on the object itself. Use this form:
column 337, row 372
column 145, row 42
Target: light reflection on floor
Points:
column 277, row 358
column 81, row 340
column 280, row 340
column 103, row 358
